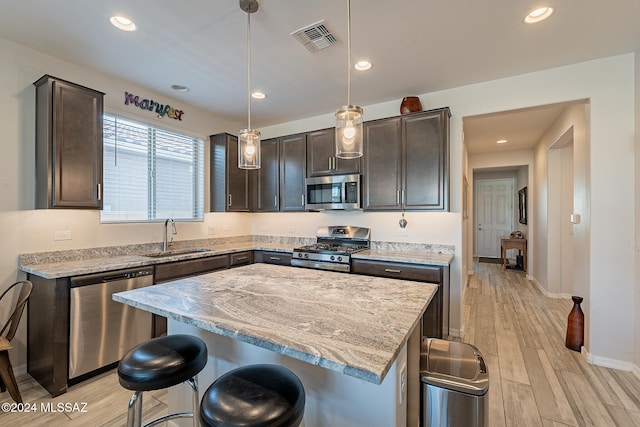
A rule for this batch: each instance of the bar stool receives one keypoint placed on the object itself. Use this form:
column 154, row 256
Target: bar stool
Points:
column 254, row 396
column 160, row 363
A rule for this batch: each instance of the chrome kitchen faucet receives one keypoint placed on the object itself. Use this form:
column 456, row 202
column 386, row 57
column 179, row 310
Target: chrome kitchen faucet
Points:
column 173, row 231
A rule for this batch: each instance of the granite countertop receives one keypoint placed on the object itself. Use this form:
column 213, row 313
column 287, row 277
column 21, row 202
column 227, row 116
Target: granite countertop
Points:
column 334, row 320
column 54, row 265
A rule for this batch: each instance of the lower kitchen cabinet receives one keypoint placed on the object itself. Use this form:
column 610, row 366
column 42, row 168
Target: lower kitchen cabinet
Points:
column 240, row 258
column 273, row 257
column 435, row 322
column 179, row 269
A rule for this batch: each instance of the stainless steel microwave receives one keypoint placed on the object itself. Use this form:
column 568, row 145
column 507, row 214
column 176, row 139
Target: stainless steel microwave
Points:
column 333, row 192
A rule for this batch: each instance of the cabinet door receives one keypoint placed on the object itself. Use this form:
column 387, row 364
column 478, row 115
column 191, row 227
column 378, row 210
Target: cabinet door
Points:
column 321, row 156
column 293, row 151
column 267, row 185
column 237, row 180
column 69, row 145
column 426, row 160
column 320, row 152
column 382, row 164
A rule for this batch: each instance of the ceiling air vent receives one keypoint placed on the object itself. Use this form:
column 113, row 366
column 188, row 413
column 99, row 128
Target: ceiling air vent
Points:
column 315, row 36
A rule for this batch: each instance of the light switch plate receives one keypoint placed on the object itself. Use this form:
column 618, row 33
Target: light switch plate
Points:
column 62, row 235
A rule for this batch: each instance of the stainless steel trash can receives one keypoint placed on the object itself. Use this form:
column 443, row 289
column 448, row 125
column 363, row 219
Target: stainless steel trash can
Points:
column 455, row 383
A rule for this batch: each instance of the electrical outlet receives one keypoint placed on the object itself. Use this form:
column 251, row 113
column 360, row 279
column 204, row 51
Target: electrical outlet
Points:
column 262, row 229
column 402, row 232
column 62, row 235
column 291, row 229
column 402, row 384
column 211, row 229
column 226, row 227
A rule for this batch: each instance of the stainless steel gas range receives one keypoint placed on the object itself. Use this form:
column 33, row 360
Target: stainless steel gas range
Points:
column 333, row 248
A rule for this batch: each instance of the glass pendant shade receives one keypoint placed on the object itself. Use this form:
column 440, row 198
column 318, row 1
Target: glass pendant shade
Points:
column 349, row 132
column 249, row 149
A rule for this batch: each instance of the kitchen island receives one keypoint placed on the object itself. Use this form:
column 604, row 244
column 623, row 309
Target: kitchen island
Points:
column 354, row 341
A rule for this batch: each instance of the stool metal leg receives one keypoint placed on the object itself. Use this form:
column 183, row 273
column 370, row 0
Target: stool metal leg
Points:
column 193, row 382
column 134, row 413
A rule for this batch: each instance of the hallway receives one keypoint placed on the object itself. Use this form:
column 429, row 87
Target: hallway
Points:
column 534, row 379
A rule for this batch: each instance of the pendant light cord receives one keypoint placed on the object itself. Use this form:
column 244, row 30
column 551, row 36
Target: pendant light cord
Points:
column 248, row 70
column 348, row 52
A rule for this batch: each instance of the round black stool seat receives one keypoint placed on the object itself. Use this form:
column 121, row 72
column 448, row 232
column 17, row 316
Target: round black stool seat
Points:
column 254, row 396
column 162, row 362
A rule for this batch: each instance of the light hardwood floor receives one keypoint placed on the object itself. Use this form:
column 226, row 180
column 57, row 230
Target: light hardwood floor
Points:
column 534, row 379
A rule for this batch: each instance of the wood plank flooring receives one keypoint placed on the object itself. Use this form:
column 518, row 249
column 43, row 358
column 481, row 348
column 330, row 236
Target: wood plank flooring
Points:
column 534, row 379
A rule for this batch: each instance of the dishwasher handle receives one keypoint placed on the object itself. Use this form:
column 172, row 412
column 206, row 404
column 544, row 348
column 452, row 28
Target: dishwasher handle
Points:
column 113, row 276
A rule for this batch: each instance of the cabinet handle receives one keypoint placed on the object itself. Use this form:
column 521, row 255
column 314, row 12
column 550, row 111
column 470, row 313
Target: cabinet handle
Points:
column 99, row 191
column 334, row 167
column 330, row 163
column 403, row 198
column 397, row 197
column 392, row 270
column 275, row 201
column 230, row 199
column 303, row 200
column 275, row 258
column 241, row 258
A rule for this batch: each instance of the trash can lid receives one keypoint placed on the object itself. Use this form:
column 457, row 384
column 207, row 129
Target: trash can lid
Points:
column 454, row 366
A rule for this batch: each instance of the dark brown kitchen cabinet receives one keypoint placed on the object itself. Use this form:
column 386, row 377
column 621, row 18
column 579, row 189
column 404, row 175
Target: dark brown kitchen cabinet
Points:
column 267, row 191
column 407, row 162
column 230, row 185
column 240, row 258
column 382, row 164
column 293, row 152
column 321, row 156
column 178, row 269
column 68, row 145
column 435, row 321
column 273, row 257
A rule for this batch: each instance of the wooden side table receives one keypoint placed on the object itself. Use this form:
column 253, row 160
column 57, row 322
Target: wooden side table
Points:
column 508, row 243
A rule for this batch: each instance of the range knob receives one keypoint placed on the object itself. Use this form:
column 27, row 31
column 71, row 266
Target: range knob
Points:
column 332, row 258
column 300, row 255
column 339, row 258
column 306, row 255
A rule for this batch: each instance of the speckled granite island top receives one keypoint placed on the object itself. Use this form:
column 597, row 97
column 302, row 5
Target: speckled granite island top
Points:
column 347, row 323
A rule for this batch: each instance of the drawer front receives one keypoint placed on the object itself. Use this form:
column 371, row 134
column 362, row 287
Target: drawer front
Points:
column 191, row 267
column 279, row 258
column 240, row 258
column 397, row 270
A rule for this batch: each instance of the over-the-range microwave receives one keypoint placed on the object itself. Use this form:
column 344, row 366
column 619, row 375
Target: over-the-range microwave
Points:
column 333, row 192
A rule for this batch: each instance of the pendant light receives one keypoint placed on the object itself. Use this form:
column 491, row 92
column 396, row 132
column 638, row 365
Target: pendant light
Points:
column 249, row 139
column 349, row 117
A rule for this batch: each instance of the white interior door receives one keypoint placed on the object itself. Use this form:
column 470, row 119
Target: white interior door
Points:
column 494, row 214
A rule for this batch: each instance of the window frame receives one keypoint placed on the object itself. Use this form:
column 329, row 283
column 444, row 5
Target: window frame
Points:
column 197, row 177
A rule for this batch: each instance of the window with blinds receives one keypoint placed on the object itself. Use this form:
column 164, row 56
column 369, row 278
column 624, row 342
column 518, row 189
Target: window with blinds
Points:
column 150, row 174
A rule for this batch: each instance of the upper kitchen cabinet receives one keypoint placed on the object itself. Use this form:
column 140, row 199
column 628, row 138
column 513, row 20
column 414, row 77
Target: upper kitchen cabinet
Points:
column 293, row 162
column 407, row 161
column 267, row 194
column 68, row 145
column 321, row 156
column 230, row 186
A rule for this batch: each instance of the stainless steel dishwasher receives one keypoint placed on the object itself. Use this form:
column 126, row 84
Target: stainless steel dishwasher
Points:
column 101, row 330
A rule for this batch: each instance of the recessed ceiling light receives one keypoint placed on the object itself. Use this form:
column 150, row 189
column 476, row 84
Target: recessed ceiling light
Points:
column 363, row 65
column 258, row 95
column 501, row 141
column 539, row 14
column 180, row 88
column 122, row 23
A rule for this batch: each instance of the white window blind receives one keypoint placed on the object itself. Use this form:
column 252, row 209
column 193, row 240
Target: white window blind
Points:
column 150, row 174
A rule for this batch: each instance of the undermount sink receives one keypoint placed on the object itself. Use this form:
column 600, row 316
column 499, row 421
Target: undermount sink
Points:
column 175, row 252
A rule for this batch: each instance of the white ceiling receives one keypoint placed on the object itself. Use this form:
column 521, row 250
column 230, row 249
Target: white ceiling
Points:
column 416, row 46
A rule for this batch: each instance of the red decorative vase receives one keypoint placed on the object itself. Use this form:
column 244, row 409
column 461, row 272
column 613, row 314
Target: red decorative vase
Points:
column 575, row 326
column 410, row 104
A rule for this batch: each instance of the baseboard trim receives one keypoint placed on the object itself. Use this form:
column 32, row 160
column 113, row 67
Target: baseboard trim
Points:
column 20, row 370
column 606, row 362
column 547, row 293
